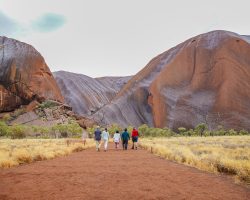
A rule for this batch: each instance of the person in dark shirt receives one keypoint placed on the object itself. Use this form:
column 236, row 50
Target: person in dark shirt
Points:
column 125, row 139
column 98, row 137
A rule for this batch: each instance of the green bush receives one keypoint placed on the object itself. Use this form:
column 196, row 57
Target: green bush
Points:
column 17, row 132
column 182, row 130
column 44, row 131
column 47, row 104
column 4, row 129
column 232, row 132
column 72, row 129
column 6, row 117
column 200, row 128
column 113, row 128
column 145, row 131
column 243, row 132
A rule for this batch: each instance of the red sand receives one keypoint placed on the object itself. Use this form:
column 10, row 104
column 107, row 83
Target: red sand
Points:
column 114, row 175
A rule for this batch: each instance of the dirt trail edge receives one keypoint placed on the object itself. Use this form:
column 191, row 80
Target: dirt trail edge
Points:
column 115, row 174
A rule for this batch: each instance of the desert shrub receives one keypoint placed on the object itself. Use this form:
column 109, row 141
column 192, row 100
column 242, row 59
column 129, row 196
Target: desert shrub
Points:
column 17, row 132
column 208, row 133
column 18, row 112
column 47, row 104
column 4, row 129
column 72, row 129
column 113, row 128
column 44, row 132
column 232, row 132
column 91, row 131
column 226, row 154
column 130, row 129
column 62, row 128
column 168, row 132
column 35, row 129
column 190, row 132
column 22, row 156
column 15, row 152
column 146, row 131
column 142, row 129
column 6, row 117
column 220, row 131
column 200, row 128
column 182, row 130
column 243, row 132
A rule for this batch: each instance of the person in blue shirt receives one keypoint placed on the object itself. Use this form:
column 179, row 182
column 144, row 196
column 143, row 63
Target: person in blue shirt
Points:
column 98, row 137
column 125, row 139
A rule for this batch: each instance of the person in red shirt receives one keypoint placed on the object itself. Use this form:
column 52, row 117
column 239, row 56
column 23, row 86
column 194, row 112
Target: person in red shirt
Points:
column 135, row 136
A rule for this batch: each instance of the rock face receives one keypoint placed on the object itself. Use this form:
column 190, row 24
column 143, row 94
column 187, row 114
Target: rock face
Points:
column 204, row 79
column 86, row 95
column 24, row 76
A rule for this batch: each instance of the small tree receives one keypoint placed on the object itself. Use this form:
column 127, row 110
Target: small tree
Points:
column 143, row 129
column 18, row 132
column 74, row 129
column 220, row 130
column 44, row 131
column 182, row 130
column 113, row 128
column 4, row 129
column 62, row 128
column 232, row 132
column 200, row 128
column 243, row 132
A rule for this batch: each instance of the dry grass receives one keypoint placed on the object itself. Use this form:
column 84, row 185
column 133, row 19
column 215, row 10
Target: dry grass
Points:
column 225, row 154
column 16, row 152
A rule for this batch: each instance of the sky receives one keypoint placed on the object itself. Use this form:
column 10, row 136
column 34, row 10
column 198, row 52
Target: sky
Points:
column 114, row 37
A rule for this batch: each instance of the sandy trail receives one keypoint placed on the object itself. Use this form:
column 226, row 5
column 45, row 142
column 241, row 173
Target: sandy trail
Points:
column 115, row 174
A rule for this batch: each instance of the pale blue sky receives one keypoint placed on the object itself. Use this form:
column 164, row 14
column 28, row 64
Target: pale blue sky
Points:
column 114, row 37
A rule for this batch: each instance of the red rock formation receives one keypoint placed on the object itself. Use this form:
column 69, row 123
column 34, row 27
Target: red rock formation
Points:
column 204, row 79
column 86, row 95
column 24, row 76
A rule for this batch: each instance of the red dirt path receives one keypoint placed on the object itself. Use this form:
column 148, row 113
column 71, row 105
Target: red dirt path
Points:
column 114, row 175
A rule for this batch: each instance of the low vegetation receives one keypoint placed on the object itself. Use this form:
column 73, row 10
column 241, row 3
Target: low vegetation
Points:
column 227, row 154
column 71, row 129
column 16, row 152
column 47, row 104
column 199, row 130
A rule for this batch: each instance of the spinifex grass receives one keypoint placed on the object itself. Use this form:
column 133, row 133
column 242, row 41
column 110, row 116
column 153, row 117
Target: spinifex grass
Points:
column 15, row 152
column 224, row 154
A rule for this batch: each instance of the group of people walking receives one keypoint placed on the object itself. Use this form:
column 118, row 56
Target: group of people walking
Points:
column 104, row 136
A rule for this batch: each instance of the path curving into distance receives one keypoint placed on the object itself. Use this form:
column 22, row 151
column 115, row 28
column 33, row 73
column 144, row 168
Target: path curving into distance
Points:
column 115, row 174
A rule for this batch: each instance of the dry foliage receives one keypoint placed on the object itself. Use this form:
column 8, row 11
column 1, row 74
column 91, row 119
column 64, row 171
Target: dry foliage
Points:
column 223, row 154
column 16, row 152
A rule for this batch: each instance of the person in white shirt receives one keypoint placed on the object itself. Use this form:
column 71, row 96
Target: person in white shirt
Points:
column 105, row 137
column 117, row 139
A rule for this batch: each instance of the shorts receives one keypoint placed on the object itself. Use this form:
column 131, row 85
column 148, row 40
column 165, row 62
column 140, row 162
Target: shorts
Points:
column 135, row 139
